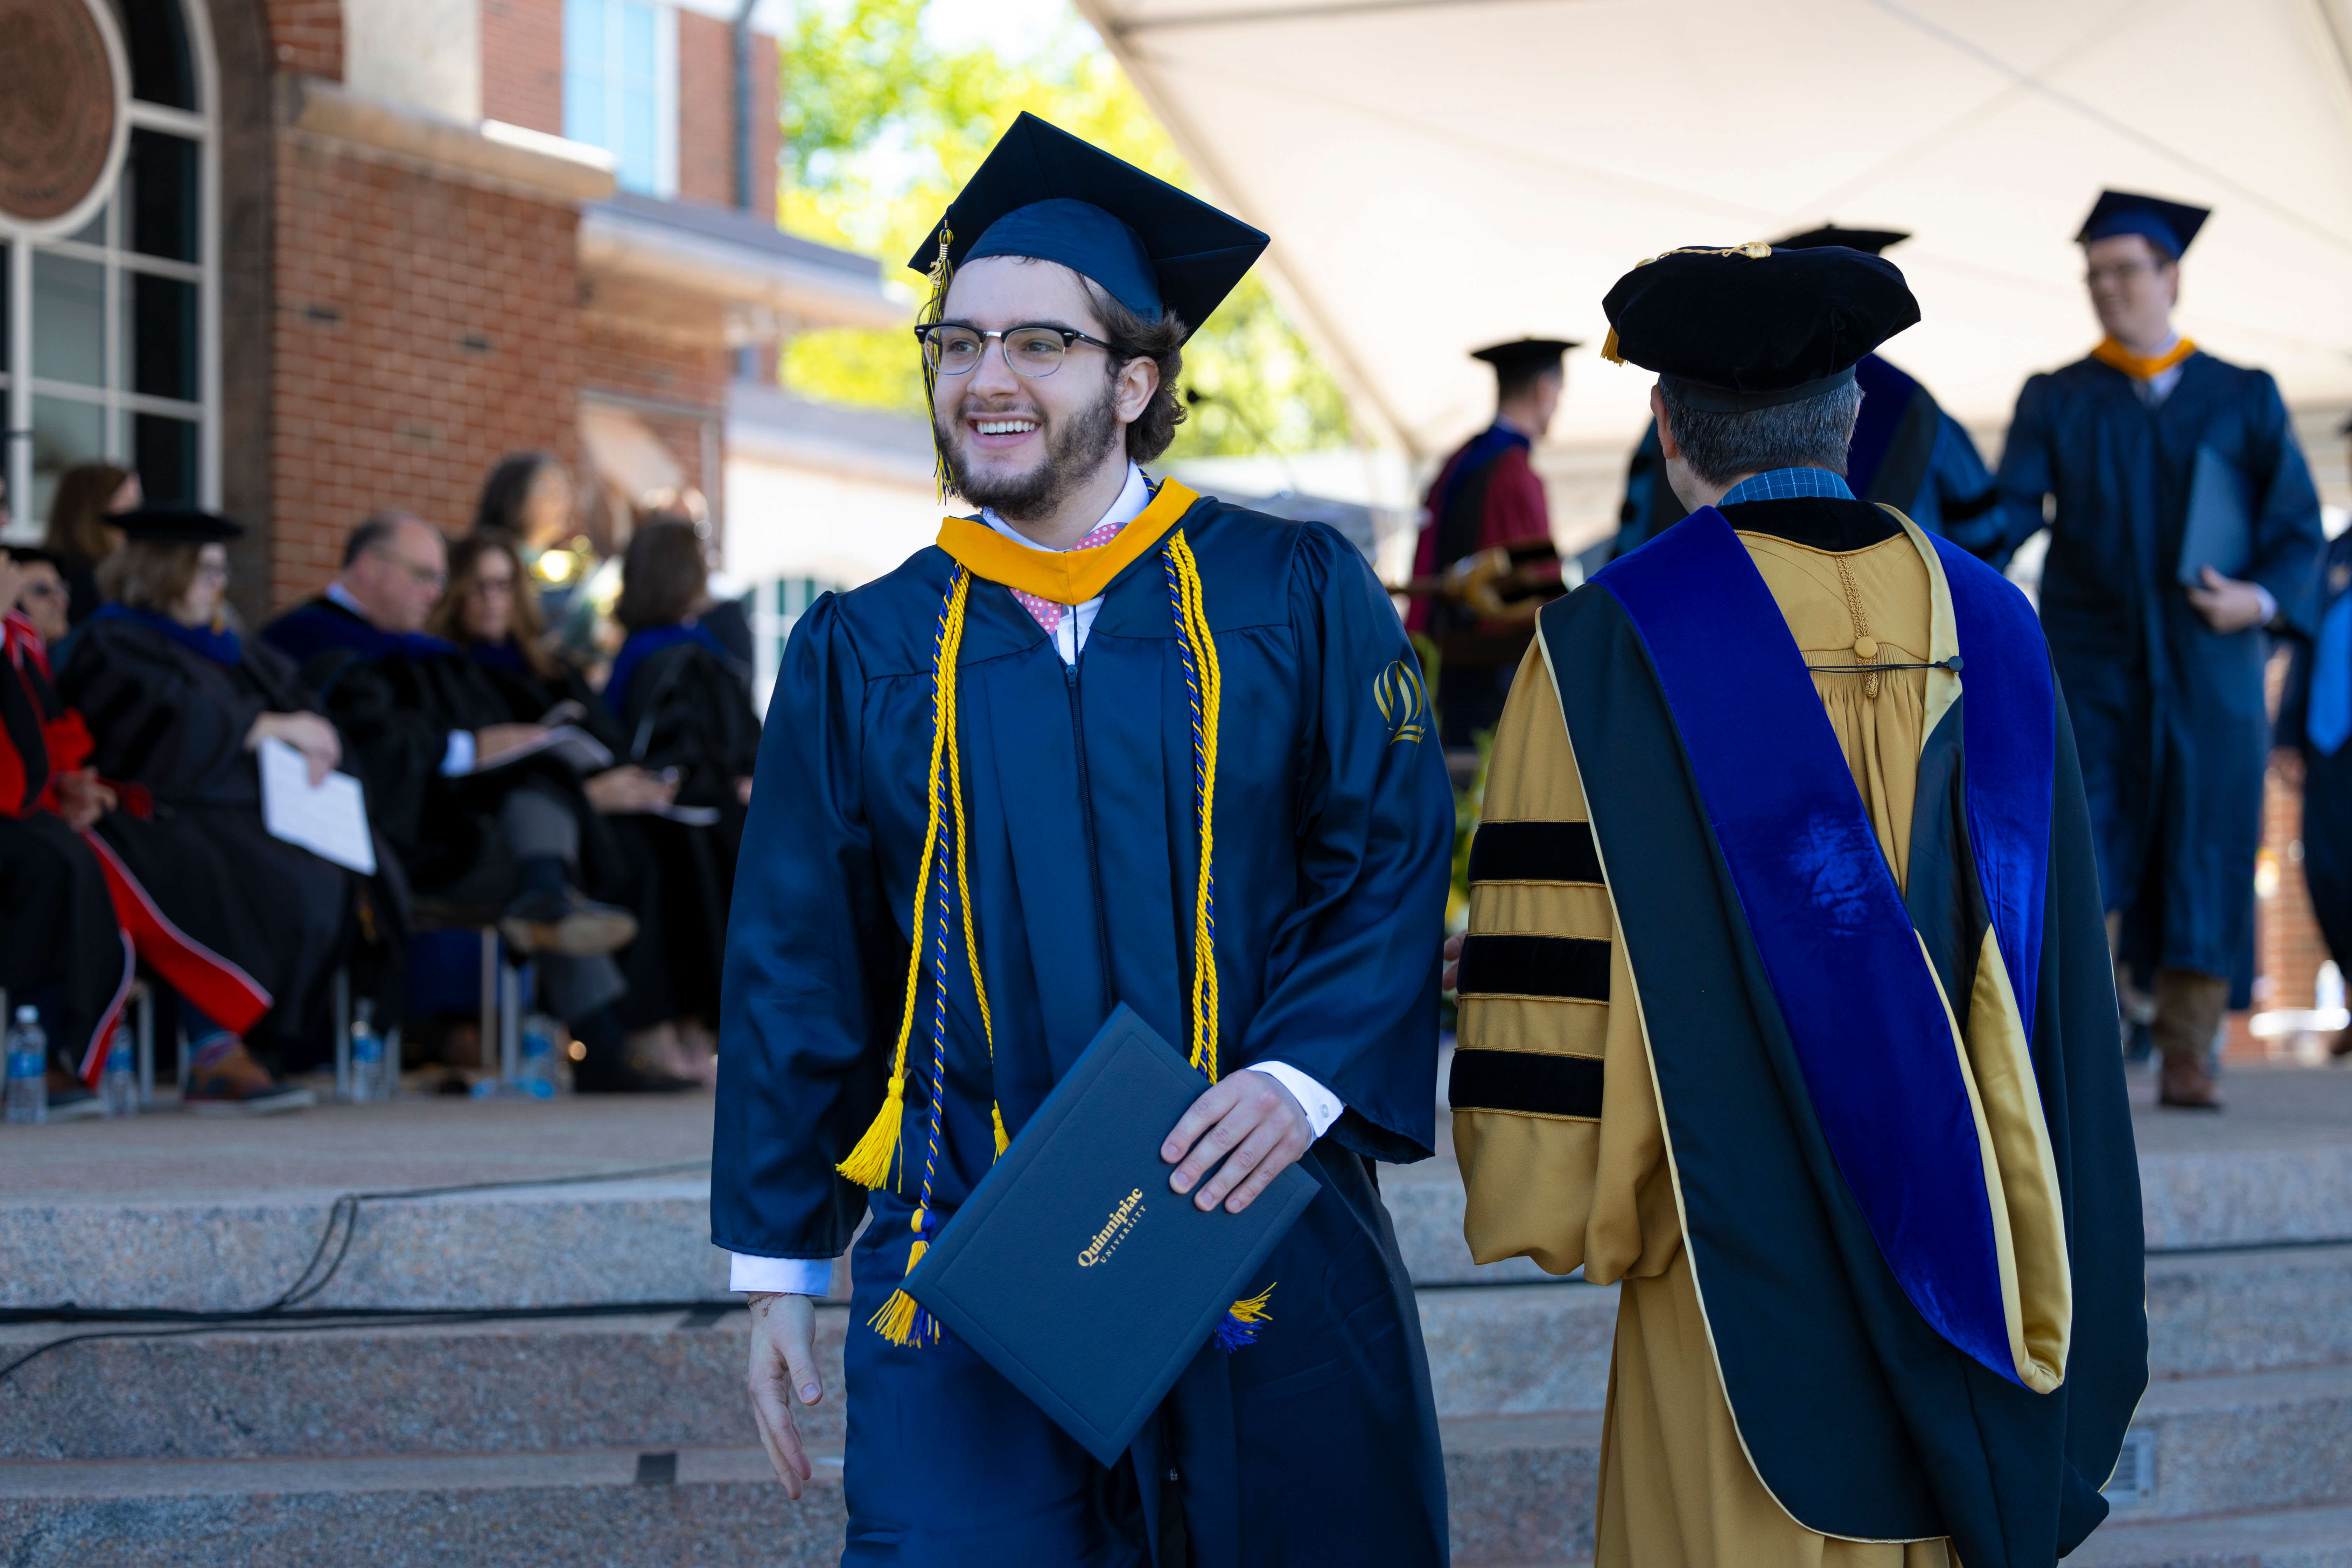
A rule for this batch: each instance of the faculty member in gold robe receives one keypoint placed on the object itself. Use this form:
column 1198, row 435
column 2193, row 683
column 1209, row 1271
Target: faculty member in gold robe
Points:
column 1776, row 1013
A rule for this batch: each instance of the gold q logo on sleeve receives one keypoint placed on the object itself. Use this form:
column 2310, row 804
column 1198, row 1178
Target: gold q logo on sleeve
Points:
column 1397, row 692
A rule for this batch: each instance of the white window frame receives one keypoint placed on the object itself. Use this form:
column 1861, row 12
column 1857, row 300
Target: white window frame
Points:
column 202, row 127
column 665, row 75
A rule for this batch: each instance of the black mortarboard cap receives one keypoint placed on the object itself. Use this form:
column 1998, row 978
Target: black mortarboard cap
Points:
column 1729, row 330
column 2168, row 225
column 1524, row 356
column 1870, row 240
column 1044, row 192
column 174, row 525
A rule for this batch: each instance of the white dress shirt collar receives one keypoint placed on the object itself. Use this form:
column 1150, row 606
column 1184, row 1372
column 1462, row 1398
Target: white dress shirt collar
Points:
column 1070, row 636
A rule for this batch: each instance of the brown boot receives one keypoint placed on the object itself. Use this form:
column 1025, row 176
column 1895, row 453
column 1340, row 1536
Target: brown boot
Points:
column 2189, row 1008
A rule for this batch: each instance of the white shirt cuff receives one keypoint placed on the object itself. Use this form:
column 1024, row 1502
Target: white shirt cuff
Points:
column 2270, row 605
column 1322, row 1107
column 459, row 757
column 784, row 1276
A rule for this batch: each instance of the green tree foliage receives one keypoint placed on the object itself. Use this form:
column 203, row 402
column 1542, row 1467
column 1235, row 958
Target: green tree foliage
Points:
column 881, row 127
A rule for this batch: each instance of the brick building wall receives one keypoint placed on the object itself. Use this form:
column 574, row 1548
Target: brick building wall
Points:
column 522, row 63
column 423, row 328
column 308, row 37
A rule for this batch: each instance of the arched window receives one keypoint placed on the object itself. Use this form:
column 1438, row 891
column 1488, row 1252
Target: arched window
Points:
column 109, row 338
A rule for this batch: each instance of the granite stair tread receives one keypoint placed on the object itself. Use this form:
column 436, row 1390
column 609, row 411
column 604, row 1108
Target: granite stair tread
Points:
column 2286, row 1537
column 1520, row 1485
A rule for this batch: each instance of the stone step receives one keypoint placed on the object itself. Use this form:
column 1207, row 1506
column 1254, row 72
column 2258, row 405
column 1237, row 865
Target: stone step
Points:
column 2242, row 1441
column 674, row 1379
column 1520, row 1489
column 591, row 1243
column 2296, row 1538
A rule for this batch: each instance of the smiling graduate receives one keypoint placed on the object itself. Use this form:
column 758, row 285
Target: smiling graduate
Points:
column 1107, row 742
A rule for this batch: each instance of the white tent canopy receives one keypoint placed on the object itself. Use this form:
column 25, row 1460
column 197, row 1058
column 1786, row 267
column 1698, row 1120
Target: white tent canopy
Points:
column 1440, row 174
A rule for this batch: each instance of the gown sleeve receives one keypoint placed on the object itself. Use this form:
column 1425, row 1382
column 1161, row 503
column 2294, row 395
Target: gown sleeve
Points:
column 153, row 723
column 811, row 954
column 1564, row 1190
column 397, row 743
column 1351, row 975
column 2024, row 478
column 2288, row 539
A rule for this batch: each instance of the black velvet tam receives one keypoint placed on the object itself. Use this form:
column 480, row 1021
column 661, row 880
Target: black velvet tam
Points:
column 1749, row 326
column 1044, row 192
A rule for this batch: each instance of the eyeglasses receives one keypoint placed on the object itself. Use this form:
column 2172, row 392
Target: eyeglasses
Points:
column 212, row 572
column 1035, row 351
column 422, row 576
column 491, row 587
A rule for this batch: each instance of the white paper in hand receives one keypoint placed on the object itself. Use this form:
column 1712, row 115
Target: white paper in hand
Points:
column 329, row 820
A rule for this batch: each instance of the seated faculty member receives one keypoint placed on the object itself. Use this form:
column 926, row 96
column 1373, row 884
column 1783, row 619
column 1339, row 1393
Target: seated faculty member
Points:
column 1786, row 1000
column 1019, row 705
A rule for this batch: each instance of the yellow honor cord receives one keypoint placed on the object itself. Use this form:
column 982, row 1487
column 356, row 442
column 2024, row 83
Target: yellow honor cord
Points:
column 869, row 1163
column 1192, row 623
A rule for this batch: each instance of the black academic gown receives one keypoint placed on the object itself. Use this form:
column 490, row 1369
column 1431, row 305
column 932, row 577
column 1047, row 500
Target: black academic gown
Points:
column 2170, row 716
column 1333, row 838
column 396, row 700
column 688, row 707
column 173, row 722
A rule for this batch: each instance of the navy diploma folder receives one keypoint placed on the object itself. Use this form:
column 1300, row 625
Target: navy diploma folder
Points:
column 2215, row 531
column 1075, row 1271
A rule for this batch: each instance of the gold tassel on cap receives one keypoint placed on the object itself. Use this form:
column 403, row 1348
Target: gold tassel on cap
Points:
column 943, row 273
column 1608, row 349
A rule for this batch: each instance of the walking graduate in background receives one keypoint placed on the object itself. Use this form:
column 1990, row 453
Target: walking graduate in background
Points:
column 2187, row 533
column 1486, row 563
column 1152, row 749
column 1786, row 1000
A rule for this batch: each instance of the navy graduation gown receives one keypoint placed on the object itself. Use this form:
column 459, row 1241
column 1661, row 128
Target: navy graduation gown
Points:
column 2169, row 714
column 1334, row 834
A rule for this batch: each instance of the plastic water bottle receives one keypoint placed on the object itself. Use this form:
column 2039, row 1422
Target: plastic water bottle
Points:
column 118, row 1091
column 370, row 1082
column 535, row 1073
column 29, row 1066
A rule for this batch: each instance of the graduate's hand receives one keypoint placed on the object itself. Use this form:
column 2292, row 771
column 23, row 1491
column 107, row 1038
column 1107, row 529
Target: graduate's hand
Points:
column 492, row 742
column 1253, row 1115
column 1453, row 961
column 783, row 1365
column 2227, row 605
column 82, row 799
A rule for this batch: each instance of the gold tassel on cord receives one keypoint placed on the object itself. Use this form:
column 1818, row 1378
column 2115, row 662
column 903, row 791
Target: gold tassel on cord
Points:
column 996, row 1114
column 901, row 1319
column 869, row 1163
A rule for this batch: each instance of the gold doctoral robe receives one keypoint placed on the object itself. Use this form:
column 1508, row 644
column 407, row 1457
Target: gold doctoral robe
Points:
column 1677, row 1489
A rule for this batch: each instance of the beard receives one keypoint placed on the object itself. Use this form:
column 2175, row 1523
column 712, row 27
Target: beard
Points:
column 1075, row 447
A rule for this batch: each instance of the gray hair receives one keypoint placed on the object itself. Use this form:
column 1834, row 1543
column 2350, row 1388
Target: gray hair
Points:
column 1811, row 433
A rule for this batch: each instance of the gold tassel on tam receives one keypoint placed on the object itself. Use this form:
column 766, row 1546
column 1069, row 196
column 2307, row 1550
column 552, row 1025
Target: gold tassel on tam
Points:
column 1609, row 348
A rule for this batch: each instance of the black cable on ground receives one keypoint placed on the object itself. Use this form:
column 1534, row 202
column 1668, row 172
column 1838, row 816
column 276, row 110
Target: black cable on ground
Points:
column 286, row 1312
